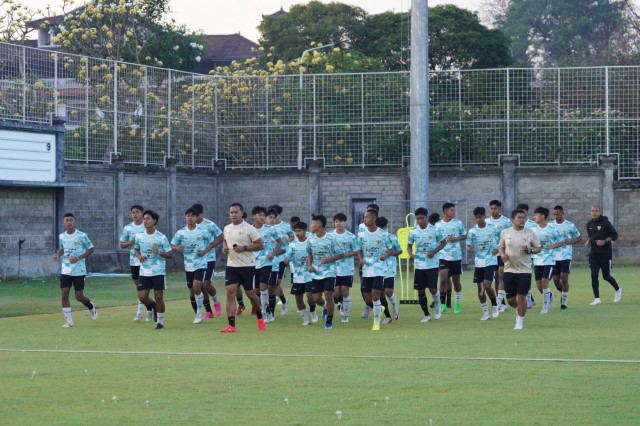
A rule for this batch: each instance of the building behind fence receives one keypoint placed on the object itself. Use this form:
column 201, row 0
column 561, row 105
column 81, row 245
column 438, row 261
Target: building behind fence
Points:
column 144, row 115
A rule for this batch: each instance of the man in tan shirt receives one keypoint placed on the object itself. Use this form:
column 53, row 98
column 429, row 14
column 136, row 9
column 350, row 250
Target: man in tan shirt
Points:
column 240, row 242
column 517, row 244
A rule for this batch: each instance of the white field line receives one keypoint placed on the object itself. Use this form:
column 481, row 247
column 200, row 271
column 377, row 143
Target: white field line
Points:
column 329, row 356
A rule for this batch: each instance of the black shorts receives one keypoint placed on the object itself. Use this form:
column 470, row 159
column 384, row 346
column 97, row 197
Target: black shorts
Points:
column 263, row 276
column 281, row 269
column 346, row 281
column 322, row 285
column 208, row 273
column 516, row 284
column 67, row 281
column 389, row 282
column 308, row 287
column 197, row 275
column 369, row 284
column 135, row 272
column 562, row 267
column 454, row 266
column 273, row 278
column 298, row 289
column 156, row 282
column 542, row 271
column 425, row 278
column 488, row 273
column 500, row 262
column 242, row 275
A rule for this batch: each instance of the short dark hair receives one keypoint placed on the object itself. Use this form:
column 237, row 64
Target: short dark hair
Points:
column 421, row 211
column 155, row 216
column 244, row 214
column 434, row 218
column 294, row 219
column 542, row 210
column 381, row 222
column 373, row 206
column 276, row 208
column 523, row 207
column 237, row 205
column 320, row 218
column 447, row 206
column 373, row 212
column 559, row 208
column 258, row 210
column 300, row 225
column 340, row 216
column 479, row 211
column 68, row 215
column 192, row 211
column 495, row 203
column 272, row 212
column 198, row 207
column 516, row 212
column 137, row 207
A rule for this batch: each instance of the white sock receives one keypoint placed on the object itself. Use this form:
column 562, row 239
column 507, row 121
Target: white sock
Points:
column 346, row 305
column 377, row 310
column 199, row 301
column 67, row 314
column 529, row 296
column 485, row 309
column 436, row 299
column 394, row 301
column 161, row 318
column 303, row 314
column 519, row 319
column 546, row 297
column 264, row 300
column 140, row 308
column 215, row 298
column 458, row 297
column 500, row 299
column 564, row 297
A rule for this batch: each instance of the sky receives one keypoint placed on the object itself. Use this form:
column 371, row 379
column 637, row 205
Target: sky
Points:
column 243, row 16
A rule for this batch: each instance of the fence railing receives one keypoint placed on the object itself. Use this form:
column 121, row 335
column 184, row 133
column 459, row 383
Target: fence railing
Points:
column 146, row 114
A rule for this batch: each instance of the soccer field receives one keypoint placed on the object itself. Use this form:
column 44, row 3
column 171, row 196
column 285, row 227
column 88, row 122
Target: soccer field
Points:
column 579, row 366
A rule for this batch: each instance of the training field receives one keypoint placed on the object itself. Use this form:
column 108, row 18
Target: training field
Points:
column 579, row 366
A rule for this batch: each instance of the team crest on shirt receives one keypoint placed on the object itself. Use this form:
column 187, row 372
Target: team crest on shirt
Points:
column 598, row 227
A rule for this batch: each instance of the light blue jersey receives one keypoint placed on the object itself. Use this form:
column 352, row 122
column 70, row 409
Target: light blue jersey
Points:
column 215, row 232
column 530, row 224
column 425, row 240
column 453, row 228
column 500, row 223
column 193, row 242
column 269, row 235
column 547, row 235
column 327, row 246
column 391, row 262
column 153, row 264
column 284, row 231
column 484, row 241
column 297, row 255
column 74, row 245
column 347, row 241
column 568, row 231
column 373, row 245
column 128, row 233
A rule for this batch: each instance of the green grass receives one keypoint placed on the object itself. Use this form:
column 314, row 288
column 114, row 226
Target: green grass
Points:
column 304, row 375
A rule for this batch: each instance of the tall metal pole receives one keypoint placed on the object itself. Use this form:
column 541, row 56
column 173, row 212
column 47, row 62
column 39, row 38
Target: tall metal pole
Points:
column 419, row 109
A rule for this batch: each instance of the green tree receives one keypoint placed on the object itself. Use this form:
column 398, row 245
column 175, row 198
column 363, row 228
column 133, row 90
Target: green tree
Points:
column 386, row 36
column 131, row 31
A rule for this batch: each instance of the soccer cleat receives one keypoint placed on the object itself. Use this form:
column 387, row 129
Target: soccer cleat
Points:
column 208, row 315
column 324, row 314
column 503, row 308
column 328, row 326
column 345, row 318
column 596, row 301
column 218, row 308
column 426, row 318
column 305, row 321
column 437, row 314
column 518, row 326
column 443, row 308
column 271, row 316
column 387, row 321
column 618, row 296
column 67, row 325
column 198, row 318
column 457, row 309
column 365, row 313
column 496, row 311
column 376, row 327
column 314, row 317
column 396, row 313
column 240, row 309
column 261, row 326
column 284, row 308
column 563, row 306
column 544, row 310
column 552, row 301
column 94, row 313
column 485, row 316
column 138, row 317
column 149, row 316
column 159, row 326
column 228, row 329
column 531, row 304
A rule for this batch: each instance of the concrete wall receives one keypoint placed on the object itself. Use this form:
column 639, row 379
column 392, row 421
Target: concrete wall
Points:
column 102, row 204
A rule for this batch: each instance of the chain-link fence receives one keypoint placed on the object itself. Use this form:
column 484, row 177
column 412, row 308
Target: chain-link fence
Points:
column 545, row 116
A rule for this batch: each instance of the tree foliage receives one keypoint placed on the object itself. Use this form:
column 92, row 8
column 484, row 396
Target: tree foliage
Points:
column 15, row 17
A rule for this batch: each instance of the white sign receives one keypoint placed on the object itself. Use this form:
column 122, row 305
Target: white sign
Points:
column 29, row 157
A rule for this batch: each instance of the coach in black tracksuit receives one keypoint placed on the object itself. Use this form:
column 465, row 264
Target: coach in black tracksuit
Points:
column 601, row 232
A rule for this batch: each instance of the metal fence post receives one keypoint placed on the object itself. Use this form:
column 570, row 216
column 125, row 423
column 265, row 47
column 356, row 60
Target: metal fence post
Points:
column 145, row 139
column 266, row 97
column 215, row 117
column 115, row 107
column 169, row 95
column 193, row 120
column 23, row 71
column 362, row 133
column 559, row 120
column 508, row 113
column 606, row 100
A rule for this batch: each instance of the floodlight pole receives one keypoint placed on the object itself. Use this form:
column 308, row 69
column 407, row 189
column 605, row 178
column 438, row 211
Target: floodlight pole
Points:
column 301, row 106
